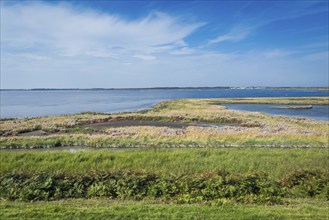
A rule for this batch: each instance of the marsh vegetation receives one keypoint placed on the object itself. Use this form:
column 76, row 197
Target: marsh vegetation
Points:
column 184, row 154
column 187, row 119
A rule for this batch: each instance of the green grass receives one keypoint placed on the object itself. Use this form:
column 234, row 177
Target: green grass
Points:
column 275, row 162
column 109, row 209
column 241, row 175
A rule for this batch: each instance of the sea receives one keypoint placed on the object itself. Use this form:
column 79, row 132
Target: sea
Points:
column 36, row 103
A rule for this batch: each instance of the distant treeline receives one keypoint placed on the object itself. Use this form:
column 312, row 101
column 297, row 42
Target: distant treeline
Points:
column 182, row 88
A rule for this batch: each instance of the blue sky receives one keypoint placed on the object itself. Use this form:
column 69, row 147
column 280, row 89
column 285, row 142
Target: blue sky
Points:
column 120, row 44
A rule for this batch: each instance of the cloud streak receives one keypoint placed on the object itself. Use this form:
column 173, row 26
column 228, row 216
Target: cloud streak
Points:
column 65, row 31
column 237, row 34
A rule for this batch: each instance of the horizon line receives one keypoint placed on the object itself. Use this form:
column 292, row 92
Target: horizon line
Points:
column 175, row 87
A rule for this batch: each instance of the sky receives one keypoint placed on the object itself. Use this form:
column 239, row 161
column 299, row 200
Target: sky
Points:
column 138, row 44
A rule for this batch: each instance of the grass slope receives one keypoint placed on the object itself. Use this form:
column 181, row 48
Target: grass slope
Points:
column 209, row 176
column 275, row 162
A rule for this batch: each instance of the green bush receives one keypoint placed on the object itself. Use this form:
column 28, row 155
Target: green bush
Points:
column 213, row 188
column 306, row 183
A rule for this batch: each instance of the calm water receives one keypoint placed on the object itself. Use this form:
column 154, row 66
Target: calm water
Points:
column 319, row 112
column 57, row 102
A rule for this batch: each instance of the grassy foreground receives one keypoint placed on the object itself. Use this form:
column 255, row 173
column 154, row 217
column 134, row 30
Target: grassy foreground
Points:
column 109, row 209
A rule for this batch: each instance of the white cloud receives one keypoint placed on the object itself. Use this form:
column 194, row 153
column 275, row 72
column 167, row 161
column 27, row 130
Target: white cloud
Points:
column 61, row 30
column 101, row 53
column 234, row 35
column 183, row 51
column 145, row 57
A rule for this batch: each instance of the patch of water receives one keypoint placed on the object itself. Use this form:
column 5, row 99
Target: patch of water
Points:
column 318, row 112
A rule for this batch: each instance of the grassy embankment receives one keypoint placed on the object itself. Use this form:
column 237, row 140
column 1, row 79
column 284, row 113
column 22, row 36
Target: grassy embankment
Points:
column 249, row 128
column 277, row 163
column 245, row 175
column 244, row 183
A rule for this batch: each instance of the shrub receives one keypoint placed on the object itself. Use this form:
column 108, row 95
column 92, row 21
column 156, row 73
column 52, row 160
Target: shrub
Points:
column 213, row 188
column 308, row 183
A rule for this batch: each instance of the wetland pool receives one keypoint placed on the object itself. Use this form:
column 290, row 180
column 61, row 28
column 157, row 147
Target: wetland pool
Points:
column 318, row 112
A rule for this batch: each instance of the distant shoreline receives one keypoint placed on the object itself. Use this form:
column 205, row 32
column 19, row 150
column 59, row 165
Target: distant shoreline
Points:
column 175, row 88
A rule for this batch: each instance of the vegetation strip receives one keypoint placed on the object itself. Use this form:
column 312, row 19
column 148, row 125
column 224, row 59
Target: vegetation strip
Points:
column 277, row 163
column 266, row 176
column 214, row 188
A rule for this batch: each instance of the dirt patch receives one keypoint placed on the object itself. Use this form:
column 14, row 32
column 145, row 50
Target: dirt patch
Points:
column 128, row 123
column 33, row 133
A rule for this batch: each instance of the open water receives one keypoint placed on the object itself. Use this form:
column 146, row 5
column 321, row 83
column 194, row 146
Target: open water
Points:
column 34, row 103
